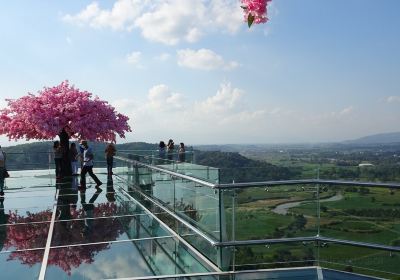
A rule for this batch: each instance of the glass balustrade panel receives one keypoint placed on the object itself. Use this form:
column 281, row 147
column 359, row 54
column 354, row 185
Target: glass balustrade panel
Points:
column 360, row 213
column 271, row 212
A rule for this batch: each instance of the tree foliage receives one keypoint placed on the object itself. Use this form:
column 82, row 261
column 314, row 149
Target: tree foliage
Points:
column 62, row 108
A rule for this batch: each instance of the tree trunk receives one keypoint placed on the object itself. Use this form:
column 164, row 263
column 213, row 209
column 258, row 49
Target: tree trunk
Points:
column 66, row 169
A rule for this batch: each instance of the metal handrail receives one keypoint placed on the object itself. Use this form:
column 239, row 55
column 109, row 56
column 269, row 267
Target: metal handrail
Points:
column 199, row 275
column 262, row 183
column 305, row 182
column 275, row 183
column 307, row 239
column 183, row 241
column 209, row 239
column 172, row 173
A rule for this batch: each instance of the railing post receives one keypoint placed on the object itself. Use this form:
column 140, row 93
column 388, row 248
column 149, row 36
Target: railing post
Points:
column 233, row 228
column 318, row 216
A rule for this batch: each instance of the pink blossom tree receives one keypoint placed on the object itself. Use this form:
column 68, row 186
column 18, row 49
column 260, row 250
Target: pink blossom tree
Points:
column 255, row 11
column 63, row 111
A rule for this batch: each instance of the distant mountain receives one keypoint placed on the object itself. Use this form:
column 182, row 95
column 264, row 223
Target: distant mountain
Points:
column 381, row 138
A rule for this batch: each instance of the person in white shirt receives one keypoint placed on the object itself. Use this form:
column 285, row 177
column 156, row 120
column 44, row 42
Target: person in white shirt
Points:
column 88, row 166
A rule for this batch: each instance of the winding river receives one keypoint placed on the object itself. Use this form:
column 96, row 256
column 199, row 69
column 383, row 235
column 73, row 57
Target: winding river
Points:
column 283, row 208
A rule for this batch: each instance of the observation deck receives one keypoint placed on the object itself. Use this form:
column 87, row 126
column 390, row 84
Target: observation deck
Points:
column 161, row 219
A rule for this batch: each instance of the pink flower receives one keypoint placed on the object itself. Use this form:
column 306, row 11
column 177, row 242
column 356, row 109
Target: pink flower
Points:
column 59, row 108
column 255, row 11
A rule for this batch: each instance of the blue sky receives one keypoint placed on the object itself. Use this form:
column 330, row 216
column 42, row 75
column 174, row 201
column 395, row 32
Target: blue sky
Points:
column 191, row 70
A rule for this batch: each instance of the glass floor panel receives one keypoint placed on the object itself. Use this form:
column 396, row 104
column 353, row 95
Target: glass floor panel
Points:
column 121, row 259
column 24, row 236
column 21, row 265
column 72, row 233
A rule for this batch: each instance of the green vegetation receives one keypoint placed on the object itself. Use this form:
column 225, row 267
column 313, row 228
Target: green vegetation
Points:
column 363, row 214
column 359, row 214
column 237, row 168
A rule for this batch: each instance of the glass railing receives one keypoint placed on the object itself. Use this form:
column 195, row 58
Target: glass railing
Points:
column 291, row 223
column 337, row 224
column 349, row 226
column 373, row 173
column 188, row 156
column 187, row 167
column 40, row 161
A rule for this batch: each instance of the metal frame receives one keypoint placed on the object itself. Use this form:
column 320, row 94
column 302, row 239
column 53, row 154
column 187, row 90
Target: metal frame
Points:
column 263, row 183
column 234, row 243
column 208, row 262
column 212, row 241
column 49, row 237
column 306, row 182
column 318, row 270
column 307, row 239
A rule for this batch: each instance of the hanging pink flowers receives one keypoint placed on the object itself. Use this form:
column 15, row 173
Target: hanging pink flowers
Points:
column 255, row 11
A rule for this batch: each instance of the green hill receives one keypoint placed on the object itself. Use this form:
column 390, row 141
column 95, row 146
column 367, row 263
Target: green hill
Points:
column 237, row 168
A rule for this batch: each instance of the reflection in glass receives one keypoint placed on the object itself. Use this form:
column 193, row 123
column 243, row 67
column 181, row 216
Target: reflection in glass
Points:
column 3, row 220
column 72, row 227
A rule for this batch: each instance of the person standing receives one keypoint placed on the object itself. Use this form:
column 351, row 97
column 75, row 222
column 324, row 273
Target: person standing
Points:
column 2, row 170
column 110, row 153
column 182, row 152
column 73, row 155
column 161, row 150
column 80, row 156
column 88, row 166
column 170, row 149
column 57, row 149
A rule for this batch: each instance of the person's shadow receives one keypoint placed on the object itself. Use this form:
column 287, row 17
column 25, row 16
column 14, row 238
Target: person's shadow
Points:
column 110, row 195
column 88, row 208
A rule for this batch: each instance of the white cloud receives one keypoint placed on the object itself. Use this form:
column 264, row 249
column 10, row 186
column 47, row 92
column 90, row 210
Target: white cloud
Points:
column 85, row 16
column 160, row 97
column 172, row 21
column 203, row 59
column 168, row 22
column 134, row 58
column 226, row 99
column 276, row 111
column 125, row 104
column 120, row 17
column 346, row 111
column 115, row 267
column 163, row 57
column 69, row 40
column 229, row 116
column 166, row 112
column 393, row 99
column 226, row 14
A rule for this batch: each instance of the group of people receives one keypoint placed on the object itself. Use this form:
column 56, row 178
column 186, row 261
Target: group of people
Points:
column 85, row 156
column 169, row 150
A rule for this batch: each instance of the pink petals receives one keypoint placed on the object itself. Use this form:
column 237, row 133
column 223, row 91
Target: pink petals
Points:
column 45, row 115
column 255, row 11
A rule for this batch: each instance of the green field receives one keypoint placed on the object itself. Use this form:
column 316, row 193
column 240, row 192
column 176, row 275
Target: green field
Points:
column 364, row 216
